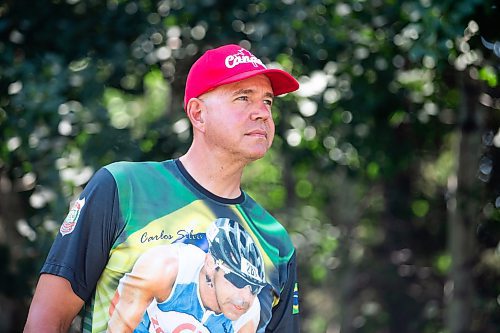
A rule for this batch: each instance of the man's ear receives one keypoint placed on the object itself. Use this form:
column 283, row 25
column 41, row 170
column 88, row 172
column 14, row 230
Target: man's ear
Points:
column 210, row 264
column 195, row 111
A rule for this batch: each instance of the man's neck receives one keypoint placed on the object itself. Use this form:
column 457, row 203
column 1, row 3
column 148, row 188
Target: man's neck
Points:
column 220, row 176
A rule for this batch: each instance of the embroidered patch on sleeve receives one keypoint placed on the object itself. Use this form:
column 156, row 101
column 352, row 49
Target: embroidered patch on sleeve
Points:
column 295, row 299
column 70, row 221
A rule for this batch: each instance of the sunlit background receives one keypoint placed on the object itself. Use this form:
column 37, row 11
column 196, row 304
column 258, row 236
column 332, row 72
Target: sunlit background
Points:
column 385, row 168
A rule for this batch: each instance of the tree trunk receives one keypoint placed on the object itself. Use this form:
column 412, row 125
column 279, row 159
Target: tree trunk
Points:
column 463, row 211
column 12, row 311
column 346, row 213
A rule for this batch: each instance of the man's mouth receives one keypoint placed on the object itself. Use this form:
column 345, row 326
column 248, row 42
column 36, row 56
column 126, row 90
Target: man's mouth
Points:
column 240, row 308
column 258, row 133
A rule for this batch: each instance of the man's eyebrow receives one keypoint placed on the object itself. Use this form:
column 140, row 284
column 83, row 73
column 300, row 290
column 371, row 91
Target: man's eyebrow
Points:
column 268, row 94
column 251, row 91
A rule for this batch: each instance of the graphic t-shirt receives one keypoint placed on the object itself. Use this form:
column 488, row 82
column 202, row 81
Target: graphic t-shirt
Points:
column 130, row 207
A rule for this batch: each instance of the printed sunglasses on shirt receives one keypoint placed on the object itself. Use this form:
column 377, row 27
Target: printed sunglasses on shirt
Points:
column 238, row 281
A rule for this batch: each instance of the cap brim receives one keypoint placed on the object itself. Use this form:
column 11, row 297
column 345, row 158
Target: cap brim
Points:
column 281, row 81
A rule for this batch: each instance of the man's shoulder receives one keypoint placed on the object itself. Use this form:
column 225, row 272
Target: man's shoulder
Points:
column 126, row 167
column 258, row 213
column 268, row 226
column 128, row 173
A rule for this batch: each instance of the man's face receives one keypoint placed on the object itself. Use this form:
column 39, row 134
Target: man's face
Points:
column 238, row 120
column 233, row 302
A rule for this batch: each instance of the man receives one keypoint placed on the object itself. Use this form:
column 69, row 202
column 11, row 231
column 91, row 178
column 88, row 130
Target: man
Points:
column 128, row 208
column 183, row 287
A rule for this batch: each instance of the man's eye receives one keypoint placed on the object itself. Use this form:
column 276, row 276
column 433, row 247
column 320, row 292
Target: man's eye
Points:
column 268, row 102
column 242, row 98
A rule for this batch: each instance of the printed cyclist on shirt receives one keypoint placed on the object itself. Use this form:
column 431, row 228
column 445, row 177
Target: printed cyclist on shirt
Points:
column 180, row 288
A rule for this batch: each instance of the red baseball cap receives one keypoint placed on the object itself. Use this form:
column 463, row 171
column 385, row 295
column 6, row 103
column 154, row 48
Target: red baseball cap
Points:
column 232, row 63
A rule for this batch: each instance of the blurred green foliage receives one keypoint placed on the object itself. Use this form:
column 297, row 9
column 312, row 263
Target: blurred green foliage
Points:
column 362, row 167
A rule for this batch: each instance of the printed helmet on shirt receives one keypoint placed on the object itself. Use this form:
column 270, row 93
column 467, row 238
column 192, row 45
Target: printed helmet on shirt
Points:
column 236, row 254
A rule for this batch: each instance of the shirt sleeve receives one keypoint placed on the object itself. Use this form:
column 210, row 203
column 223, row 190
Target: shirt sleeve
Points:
column 285, row 315
column 81, row 249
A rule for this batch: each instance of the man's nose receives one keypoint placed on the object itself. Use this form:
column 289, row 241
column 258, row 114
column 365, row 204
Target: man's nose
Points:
column 261, row 111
